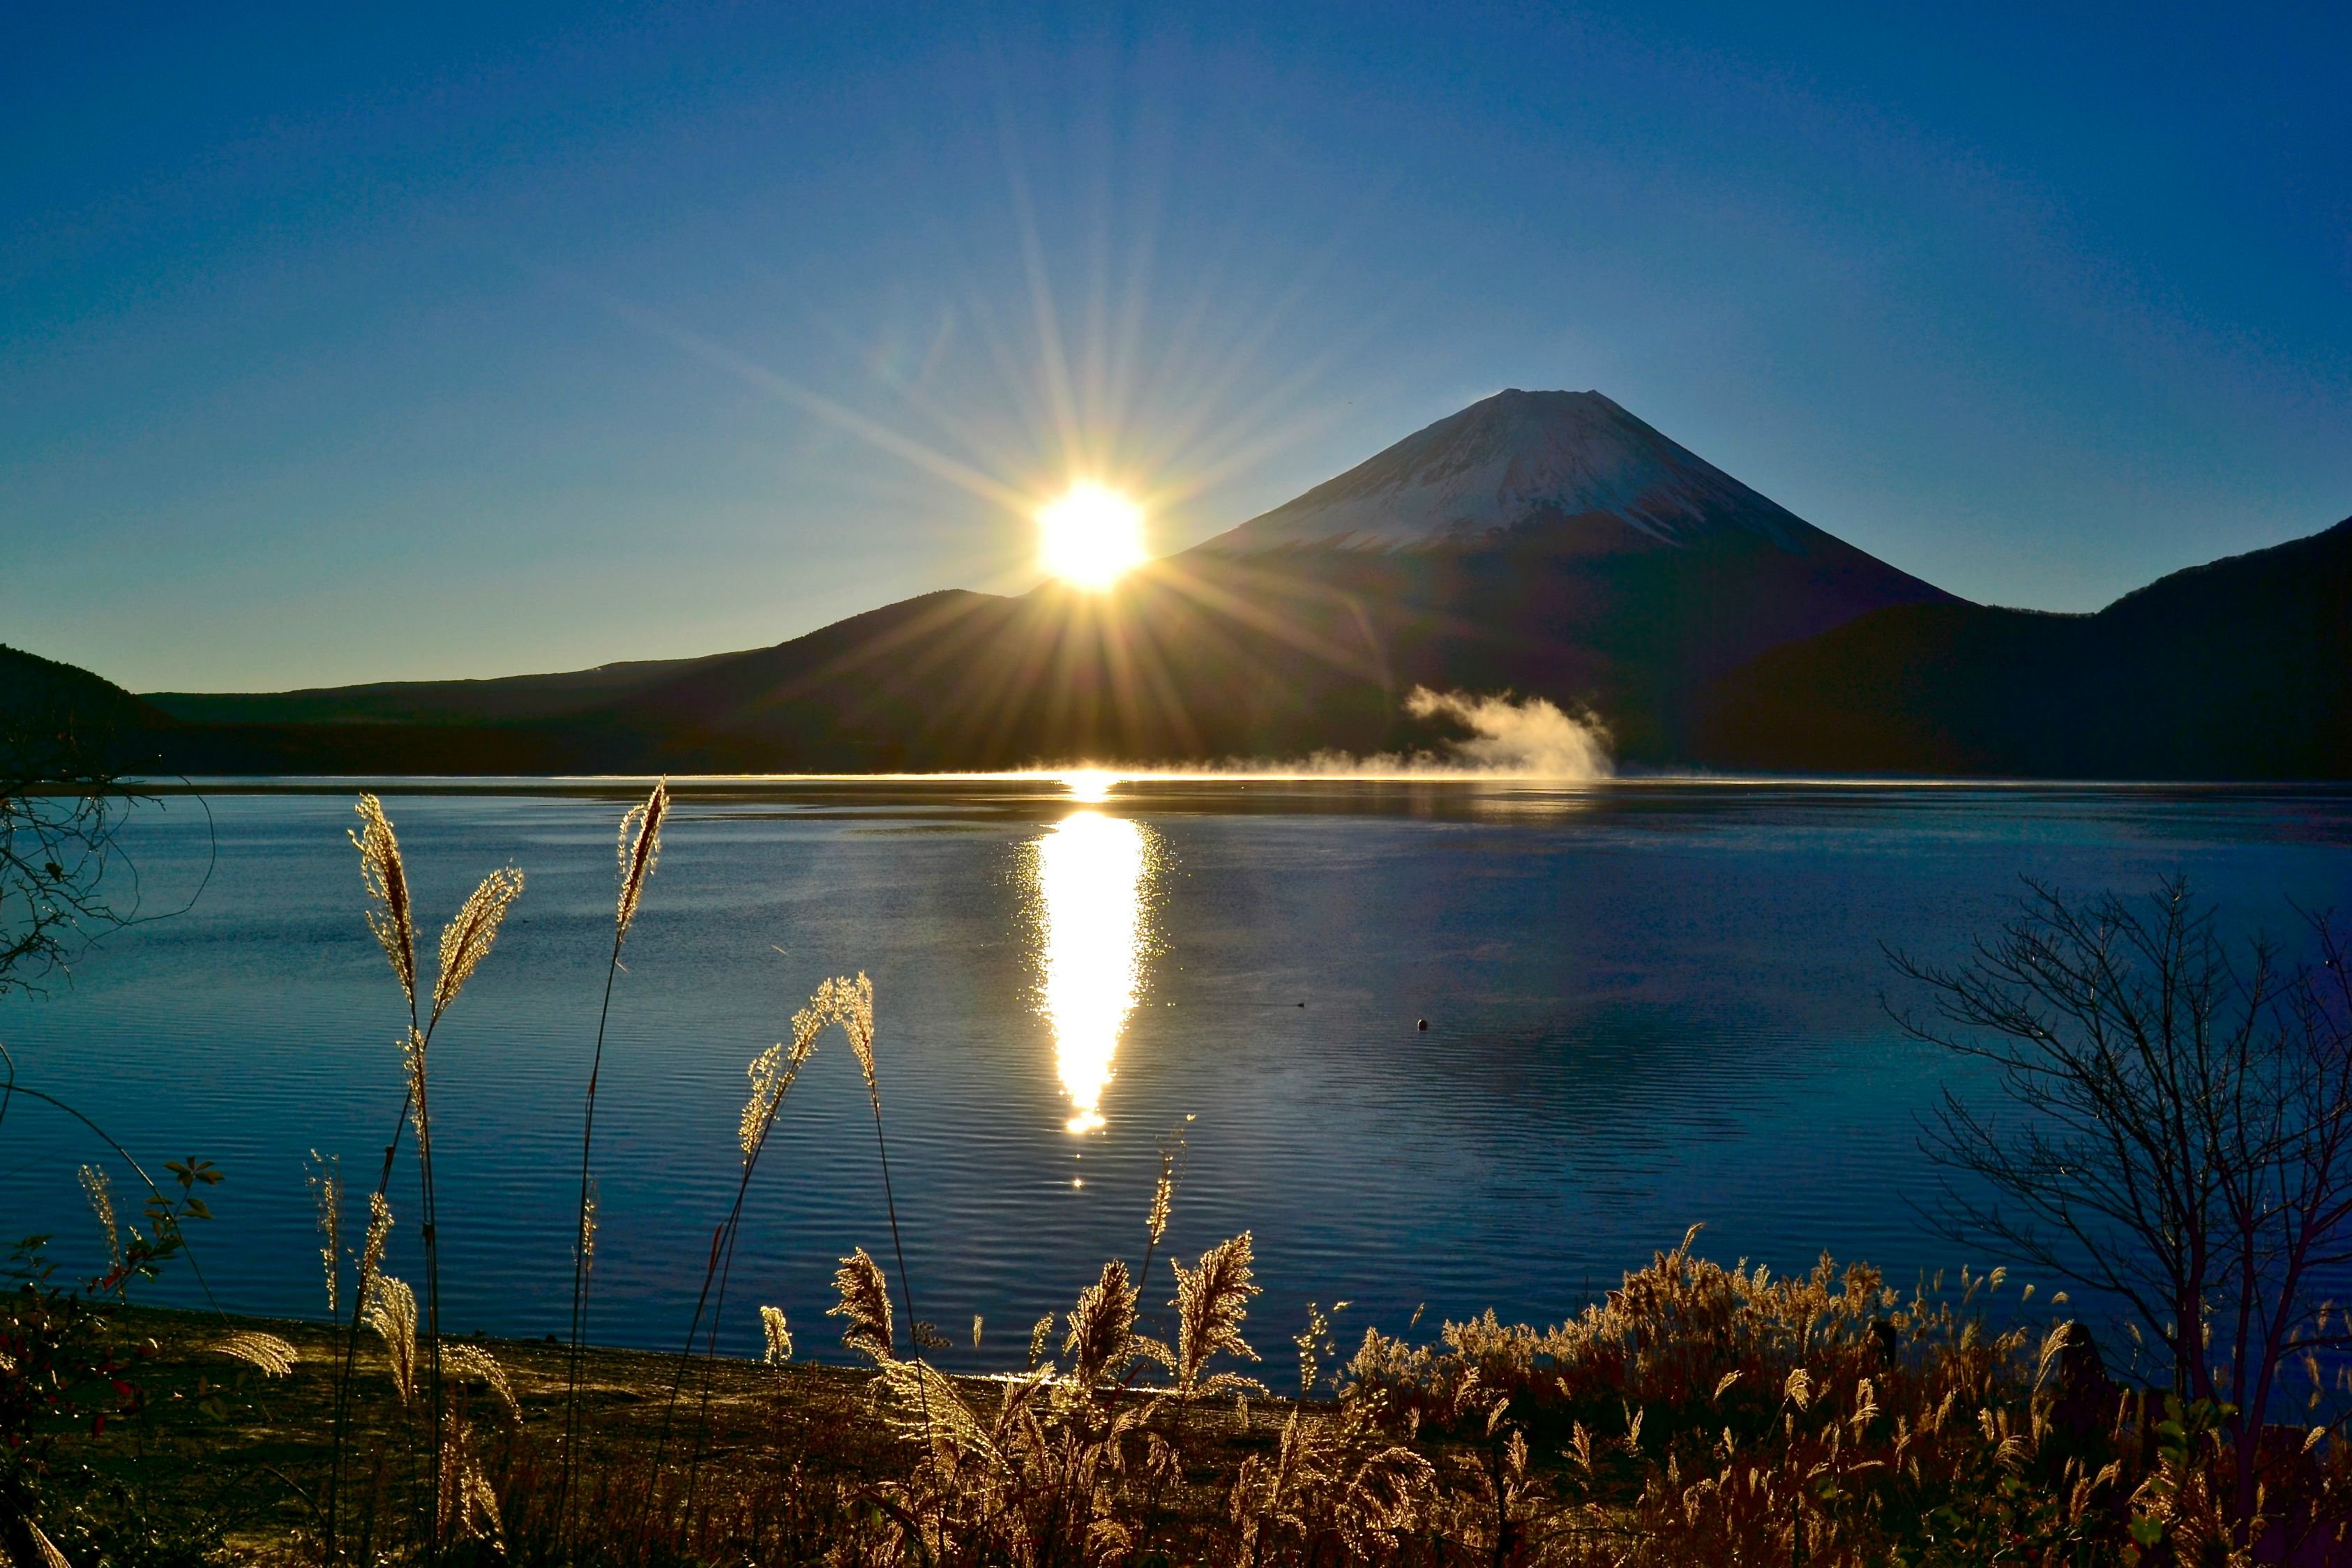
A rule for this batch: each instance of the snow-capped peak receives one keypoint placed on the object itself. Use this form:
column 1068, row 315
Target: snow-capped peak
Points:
column 1513, row 458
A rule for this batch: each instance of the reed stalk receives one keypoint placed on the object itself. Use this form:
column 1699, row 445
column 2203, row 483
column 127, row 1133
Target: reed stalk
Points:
column 431, row 1239
column 341, row 1425
column 638, row 852
column 465, row 941
column 772, row 1073
column 1172, row 1150
column 858, row 1020
column 391, row 920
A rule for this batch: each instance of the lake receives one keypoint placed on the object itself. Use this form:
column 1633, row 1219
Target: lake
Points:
column 1649, row 1004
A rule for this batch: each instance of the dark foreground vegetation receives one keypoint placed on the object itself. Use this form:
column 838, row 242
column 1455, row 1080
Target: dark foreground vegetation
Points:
column 2177, row 1139
column 1699, row 1415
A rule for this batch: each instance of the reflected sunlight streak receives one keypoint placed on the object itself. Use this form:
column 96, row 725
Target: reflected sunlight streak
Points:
column 1093, row 884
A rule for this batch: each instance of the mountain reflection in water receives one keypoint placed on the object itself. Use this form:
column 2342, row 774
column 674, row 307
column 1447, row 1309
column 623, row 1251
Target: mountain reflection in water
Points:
column 1092, row 878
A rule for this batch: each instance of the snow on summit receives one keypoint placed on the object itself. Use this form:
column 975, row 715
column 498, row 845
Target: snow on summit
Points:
column 1518, row 457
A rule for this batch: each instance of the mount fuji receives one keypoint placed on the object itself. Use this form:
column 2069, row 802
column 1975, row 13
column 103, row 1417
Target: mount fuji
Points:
column 1516, row 458
column 1549, row 544
column 1545, row 544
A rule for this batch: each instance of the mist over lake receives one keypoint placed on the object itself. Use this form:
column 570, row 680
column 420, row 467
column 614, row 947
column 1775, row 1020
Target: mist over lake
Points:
column 1648, row 1005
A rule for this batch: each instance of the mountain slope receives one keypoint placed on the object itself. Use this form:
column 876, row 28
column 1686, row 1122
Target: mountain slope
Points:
column 502, row 699
column 1549, row 543
column 1512, row 459
column 59, row 716
column 2239, row 668
column 1553, row 543
column 1546, row 543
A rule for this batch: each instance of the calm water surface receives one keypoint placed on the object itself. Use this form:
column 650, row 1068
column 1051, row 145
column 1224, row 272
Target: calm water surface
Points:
column 1648, row 1005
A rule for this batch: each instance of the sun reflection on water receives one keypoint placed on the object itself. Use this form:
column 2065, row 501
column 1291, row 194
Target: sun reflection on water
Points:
column 1093, row 885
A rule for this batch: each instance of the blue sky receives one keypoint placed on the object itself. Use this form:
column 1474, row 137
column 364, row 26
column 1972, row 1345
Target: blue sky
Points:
column 429, row 342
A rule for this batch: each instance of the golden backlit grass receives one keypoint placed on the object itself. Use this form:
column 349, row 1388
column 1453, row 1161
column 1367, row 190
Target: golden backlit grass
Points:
column 1698, row 1415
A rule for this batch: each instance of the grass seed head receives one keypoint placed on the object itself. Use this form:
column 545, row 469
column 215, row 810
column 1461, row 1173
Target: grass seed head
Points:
column 1100, row 1326
column 771, row 1072
column 1163, row 1190
column 461, row 1360
column 778, row 1335
column 273, row 1356
column 327, row 1190
column 391, row 918
column 391, row 1311
column 1211, row 1302
column 372, row 1250
column 639, row 848
column 412, row 1061
column 853, row 1004
column 465, row 941
column 768, row 1078
column 100, row 1193
column 865, row 1306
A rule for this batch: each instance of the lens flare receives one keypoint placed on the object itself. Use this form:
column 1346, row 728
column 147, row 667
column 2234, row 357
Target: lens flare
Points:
column 1091, row 536
column 1092, row 882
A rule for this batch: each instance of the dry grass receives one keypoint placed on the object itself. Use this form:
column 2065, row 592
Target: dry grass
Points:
column 1699, row 1415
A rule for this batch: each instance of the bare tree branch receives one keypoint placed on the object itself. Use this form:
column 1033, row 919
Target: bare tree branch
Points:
column 2175, row 1132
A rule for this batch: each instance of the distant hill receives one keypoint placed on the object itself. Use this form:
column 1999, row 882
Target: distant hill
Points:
column 54, row 714
column 501, row 700
column 1546, row 543
column 2238, row 669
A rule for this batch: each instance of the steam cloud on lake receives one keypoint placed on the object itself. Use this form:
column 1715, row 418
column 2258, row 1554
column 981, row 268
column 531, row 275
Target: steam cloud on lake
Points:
column 1526, row 738
column 1510, row 738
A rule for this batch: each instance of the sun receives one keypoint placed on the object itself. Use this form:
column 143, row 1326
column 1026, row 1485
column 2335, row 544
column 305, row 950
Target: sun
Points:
column 1090, row 536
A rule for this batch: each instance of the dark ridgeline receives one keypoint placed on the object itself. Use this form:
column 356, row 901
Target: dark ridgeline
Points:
column 1545, row 544
column 2240, row 668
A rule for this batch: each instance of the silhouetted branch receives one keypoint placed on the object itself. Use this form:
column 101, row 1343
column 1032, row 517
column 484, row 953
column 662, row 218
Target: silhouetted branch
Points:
column 2179, row 1134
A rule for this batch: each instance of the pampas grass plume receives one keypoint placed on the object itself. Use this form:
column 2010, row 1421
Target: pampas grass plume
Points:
column 639, row 848
column 327, row 1189
column 392, row 919
column 463, row 1360
column 1100, row 1326
column 412, row 1061
column 272, row 1356
column 465, row 941
column 588, row 1228
column 865, row 1305
column 100, row 1193
column 852, row 1003
column 1212, row 1300
column 372, row 1250
column 771, row 1072
column 391, row 1311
